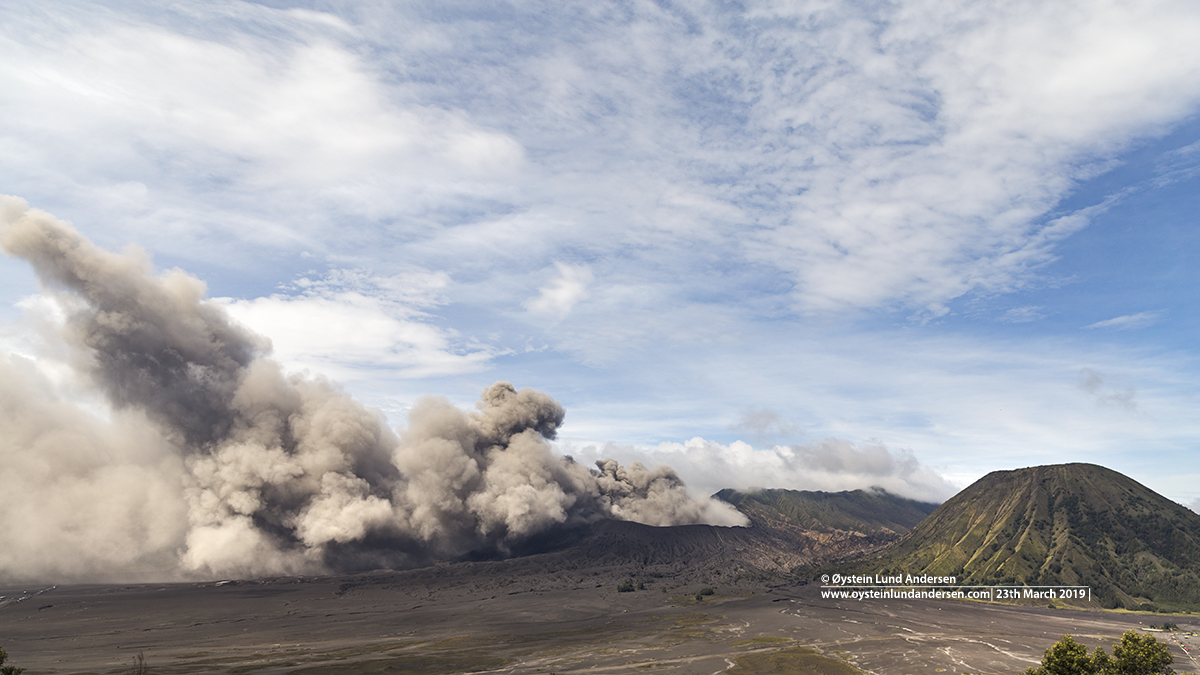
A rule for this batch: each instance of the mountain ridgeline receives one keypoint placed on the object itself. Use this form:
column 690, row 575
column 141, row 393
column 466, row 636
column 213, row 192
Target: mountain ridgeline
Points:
column 869, row 512
column 1067, row 524
column 788, row 530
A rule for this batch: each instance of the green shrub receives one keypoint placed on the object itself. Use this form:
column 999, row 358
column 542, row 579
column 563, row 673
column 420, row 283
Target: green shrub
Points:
column 8, row 670
column 1134, row 655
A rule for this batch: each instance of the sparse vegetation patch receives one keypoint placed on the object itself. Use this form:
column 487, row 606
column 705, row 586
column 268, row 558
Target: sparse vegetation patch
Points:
column 8, row 670
column 1135, row 654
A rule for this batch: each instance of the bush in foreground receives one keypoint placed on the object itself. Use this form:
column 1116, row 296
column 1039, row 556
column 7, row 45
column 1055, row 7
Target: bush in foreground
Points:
column 8, row 670
column 1134, row 655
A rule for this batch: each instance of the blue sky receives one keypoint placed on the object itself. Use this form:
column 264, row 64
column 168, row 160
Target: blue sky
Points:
column 810, row 245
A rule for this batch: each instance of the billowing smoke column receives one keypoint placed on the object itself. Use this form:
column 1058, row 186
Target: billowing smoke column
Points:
column 216, row 463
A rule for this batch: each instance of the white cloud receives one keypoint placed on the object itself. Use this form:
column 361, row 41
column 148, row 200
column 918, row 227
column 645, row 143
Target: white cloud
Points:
column 830, row 464
column 1178, row 165
column 145, row 117
column 872, row 157
column 1023, row 314
column 1128, row 321
column 560, row 296
column 765, row 425
column 967, row 124
column 964, row 404
column 351, row 325
column 728, row 173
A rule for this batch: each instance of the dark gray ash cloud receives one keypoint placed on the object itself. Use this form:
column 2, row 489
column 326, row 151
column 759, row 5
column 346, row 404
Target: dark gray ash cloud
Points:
column 216, row 463
column 1093, row 383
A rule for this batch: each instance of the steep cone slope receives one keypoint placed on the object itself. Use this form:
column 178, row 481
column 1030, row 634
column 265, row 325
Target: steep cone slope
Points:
column 1068, row 524
column 869, row 512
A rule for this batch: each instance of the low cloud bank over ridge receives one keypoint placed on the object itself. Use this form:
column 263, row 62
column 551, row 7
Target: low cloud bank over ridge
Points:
column 830, row 464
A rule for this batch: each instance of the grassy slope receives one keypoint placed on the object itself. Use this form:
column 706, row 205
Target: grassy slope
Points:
column 868, row 512
column 1063, row 524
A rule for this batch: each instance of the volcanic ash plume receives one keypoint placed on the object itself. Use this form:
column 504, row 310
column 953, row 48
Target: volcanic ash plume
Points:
column 211, row 461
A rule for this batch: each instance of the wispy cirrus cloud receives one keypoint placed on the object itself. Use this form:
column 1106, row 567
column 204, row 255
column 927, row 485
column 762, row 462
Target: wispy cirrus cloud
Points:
column 839, row 146
column 1023, row 314
column 224, row 118
column 765, row 426
column 1178, row 165
column 1127, row 321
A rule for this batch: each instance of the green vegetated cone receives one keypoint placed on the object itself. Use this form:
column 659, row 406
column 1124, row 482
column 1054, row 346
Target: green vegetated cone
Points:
column 1060, row 525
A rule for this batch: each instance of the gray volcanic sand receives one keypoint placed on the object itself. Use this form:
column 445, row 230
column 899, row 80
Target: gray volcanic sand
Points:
column 445, row 620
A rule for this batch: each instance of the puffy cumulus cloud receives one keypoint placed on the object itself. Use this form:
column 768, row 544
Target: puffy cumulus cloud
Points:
column 560, row 296
column 391, row 331
column 831, row 464
column 214, row 462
